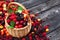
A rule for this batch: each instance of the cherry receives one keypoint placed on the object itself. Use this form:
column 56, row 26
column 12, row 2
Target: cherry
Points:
column 17, row 22
column 30, row 37
column 8, row 20
column 14, row 20
column 20, row 26
column 44, row 34
column 23, row 39
column 16, row 26
column 12, row 17
column 21, row 21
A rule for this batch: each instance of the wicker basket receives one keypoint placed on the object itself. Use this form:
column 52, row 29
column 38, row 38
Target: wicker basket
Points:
column 18, row 32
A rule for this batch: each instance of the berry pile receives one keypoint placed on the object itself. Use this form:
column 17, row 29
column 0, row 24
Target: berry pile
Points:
column 38, row 32
column 4, row 35
column 3, row 10
column 16, row 20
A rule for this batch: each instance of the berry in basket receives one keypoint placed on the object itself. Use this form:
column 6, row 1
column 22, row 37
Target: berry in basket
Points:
column 16, row 20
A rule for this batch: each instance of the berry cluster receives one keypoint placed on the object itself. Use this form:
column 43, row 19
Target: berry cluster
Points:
column 38, row 32
column 4, row 35
column 3, row 10
column 17, row 20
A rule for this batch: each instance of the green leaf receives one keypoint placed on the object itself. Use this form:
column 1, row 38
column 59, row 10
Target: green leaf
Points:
column 10, row 27
column 19, row 9
column 12, row 23
column 10, row 10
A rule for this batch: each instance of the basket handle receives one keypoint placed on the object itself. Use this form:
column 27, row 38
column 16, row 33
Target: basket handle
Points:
column 18, row 5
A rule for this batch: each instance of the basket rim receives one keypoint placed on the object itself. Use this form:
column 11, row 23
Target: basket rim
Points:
column 29, row 23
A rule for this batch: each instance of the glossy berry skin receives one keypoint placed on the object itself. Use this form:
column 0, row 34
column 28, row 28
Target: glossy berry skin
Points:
column 12, row 17
column 22, row 21
column 44, row 34
column 20, row 26
column 16, row 26
column 17, row 22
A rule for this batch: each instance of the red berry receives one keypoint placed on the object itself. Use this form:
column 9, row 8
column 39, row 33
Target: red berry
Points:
column 12, row 17
column 14, row 20
column 36, row 22
column 44, row 34
column 23, row 39
column 1, row 9
column 8, row 20
column 30, row 37
column 20, row 26
column 17, row 22
column 14, row 9
column 16, row 26
column 33, row 24
column 21, row 21
column 46, row 27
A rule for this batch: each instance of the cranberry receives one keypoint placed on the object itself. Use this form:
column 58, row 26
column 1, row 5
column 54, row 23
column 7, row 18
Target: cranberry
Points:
column 12, row 17
column 17, row 22
column 21, row 22
column 20, row 26
column 46, row 27
column 44, row 34
column 16, row 26
column 8, row 20
column 14, row 20
column 30, row 37
column 23, row 39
